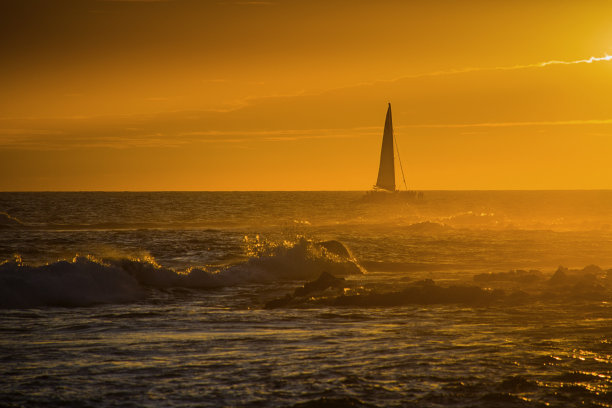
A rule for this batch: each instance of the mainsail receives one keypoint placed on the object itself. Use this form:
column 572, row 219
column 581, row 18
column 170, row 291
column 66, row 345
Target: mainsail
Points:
column 386, row 170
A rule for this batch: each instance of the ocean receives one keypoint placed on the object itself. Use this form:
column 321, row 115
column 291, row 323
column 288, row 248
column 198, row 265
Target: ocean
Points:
column 306, row 299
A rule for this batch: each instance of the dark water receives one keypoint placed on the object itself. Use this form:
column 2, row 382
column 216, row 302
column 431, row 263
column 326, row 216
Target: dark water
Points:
column 168, row 302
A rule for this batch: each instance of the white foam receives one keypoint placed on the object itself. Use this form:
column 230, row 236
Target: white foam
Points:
column 268, row 262
column 87, row 281
column 82, row 281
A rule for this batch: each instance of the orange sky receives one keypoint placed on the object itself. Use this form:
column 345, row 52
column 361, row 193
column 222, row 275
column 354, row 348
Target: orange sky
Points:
column 290, row 95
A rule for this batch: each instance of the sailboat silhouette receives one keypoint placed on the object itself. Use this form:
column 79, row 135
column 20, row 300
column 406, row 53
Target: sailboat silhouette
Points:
column 385, row 187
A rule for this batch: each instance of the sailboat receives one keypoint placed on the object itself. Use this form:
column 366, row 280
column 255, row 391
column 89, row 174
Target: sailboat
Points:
column 385, row 187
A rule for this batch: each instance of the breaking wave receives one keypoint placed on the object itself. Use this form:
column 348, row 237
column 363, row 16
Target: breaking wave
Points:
column 477, row 220
column 87, row 280
column 82, row 281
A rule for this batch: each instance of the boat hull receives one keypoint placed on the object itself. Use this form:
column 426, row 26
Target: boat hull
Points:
column 383, row 196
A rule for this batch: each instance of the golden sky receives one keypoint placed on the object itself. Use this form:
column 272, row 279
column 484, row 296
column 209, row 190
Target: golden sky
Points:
column 292, row 95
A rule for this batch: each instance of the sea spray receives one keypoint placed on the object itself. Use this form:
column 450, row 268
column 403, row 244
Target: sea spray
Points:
column 87, row 280
column 542, row 341
column 82, row 281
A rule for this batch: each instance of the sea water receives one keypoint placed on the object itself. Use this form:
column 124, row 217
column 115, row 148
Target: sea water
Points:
column 464, row 299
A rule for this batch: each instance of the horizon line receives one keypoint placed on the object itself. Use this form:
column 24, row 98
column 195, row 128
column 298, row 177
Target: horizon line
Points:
column 305, row 191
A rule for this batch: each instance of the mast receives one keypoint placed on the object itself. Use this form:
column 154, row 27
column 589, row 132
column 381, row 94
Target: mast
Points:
column 386, row 169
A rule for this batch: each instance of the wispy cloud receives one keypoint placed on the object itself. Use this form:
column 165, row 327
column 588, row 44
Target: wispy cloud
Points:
column 590, row 60
column 466, row 70
column 17, row 132
column 134, row 1
column 557, row 62
column 278, row 132
column 510, row 124
column 129, row 138
column 24, row 139
column 251, row 100
column 182, row 128
column 284, row 135
column 254, row 3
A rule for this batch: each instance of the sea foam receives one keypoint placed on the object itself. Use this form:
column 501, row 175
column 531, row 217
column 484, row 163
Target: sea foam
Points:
column 86, row 280
column 82, row 281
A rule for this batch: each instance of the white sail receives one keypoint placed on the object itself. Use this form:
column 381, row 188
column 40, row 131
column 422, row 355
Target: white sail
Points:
column 386, row 170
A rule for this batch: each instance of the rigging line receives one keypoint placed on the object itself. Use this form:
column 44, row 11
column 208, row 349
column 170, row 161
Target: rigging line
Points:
column 400, row 161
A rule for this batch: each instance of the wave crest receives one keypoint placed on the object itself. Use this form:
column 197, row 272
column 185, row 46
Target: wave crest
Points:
column 86, row 280
column 82, row 281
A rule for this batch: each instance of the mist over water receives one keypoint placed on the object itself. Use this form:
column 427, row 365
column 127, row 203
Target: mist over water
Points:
column 471, row 298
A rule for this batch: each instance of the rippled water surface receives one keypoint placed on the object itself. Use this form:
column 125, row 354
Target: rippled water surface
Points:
column 187, row 299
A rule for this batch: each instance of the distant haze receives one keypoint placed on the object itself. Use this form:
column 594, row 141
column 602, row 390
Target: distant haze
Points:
column 292, row 95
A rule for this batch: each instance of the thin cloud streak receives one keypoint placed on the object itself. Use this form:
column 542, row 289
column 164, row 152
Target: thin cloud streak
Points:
column 511, row 124
column 253, row 100
column 77, row 132
column 134, row 1
column 514, row 67
column 16, row 132
column 37, row 141
column 248, row 101
column 590, row 60
column 255, row 3
column 281, row 132
column 23, row 139
column 556, row 62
